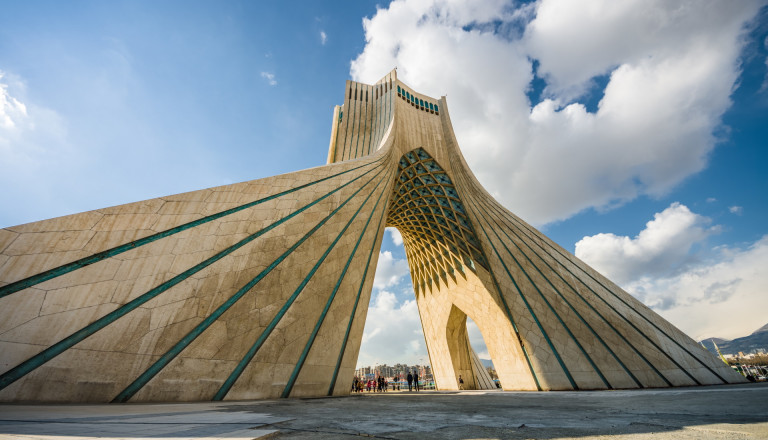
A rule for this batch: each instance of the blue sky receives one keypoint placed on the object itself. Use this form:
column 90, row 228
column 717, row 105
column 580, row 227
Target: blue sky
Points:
column 632, row 133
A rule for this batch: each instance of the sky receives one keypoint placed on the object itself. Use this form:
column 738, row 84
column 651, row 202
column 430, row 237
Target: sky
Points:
column 632, row 133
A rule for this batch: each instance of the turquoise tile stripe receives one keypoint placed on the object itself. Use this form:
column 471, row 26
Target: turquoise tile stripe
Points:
column 56, row 349
column 549, row 305
column 631, row 324
column 230, row 381
column 354, row 307
column 156, row 367
column 530, row 310
column 579, row 295
column 321, row 319
column 95, row 258
column 506, row 306
column 514, row 327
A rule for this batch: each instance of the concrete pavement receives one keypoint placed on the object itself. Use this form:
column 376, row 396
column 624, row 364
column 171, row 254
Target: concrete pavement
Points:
column 715, row 412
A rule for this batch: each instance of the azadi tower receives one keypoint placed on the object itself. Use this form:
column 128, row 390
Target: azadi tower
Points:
column 260, row 289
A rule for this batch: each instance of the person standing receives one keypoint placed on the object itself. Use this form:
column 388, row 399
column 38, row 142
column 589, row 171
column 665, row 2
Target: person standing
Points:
column 416, row 380
column 410, row 380
column 461, row 382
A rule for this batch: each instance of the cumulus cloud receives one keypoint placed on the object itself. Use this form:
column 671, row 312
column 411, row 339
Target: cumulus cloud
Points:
column 764, row 86
column 699, row 295
column 392, row 332
column 658, row 250
column 394, row 234
column 270, row 77
column 670, row 70
column 725, row 297
column 33, row 143
column 323, row 37
column 12, row 112
column 389, row 270
column 736, row 210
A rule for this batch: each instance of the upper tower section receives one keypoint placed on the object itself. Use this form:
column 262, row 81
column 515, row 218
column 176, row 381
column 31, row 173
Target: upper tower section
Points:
column 371, row 112
column 361, row 122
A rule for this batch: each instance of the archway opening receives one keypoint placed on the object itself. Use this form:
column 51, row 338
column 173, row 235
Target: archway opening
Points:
column 477, row 342
column 469, row 373
column 393, row 340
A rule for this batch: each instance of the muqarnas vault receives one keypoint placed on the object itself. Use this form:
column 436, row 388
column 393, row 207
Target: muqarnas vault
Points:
column 260, row 289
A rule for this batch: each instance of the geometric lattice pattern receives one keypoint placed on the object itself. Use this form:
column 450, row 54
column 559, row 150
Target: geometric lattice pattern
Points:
column 428, row 212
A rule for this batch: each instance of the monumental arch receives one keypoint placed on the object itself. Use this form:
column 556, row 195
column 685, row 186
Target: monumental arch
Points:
column 260, row 289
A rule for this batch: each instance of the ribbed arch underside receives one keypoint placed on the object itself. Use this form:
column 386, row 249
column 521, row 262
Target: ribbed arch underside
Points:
column 427, row 210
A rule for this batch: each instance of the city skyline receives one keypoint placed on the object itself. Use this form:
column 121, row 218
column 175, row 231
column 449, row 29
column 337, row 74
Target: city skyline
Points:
column 673, row 106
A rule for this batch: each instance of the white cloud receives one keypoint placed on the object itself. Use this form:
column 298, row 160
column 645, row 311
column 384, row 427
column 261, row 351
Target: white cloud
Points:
column 270, row 77
column 764, row 86
column 394, row 234
column 736, row 210
column 389, row 270
column 33, row 144
column 392, row 332
column 323, row 37
column 659, row 249
column 722, row 296
column 670, row 69
column 711, row 200
column 12, row 112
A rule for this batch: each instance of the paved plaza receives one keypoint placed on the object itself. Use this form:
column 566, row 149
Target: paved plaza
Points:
column 717, row 412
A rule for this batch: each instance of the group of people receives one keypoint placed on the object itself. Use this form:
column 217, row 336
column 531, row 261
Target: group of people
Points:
column 380, row 384
column 413, row 380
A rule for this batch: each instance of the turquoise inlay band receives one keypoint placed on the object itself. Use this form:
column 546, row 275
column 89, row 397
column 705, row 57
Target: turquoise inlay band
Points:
column 506, row 306
column 230, row 381
column 628, row 306
column 354, row 307
column 591, row 307
column 530, row 310
column 155, row 368
column 525, row 300
column 56, row 349
column 514, row 326
column 321, row 319
column 552, row 309
column 631, row 324
column 95, row 258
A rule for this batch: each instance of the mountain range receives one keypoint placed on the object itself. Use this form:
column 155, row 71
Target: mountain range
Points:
column 758, row 339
